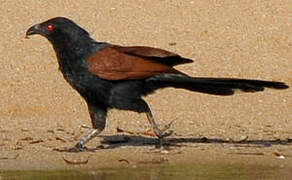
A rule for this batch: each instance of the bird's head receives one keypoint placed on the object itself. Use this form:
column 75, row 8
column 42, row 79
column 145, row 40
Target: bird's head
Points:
column 57, row 28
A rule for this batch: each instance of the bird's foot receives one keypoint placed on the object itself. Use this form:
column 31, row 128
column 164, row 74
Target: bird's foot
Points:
column 166, row 130
column 162, row 143
column 77, row 148
column 162, row 133
column 73, row 149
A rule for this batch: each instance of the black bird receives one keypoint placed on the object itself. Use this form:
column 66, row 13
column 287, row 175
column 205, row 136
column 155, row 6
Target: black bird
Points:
column 110, row 76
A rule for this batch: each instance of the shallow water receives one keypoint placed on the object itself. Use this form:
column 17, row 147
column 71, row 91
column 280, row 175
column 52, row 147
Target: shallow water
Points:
column 169, row 172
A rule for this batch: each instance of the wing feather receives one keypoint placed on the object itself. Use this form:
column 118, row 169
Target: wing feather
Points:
column 154, row 54
column 112, row 64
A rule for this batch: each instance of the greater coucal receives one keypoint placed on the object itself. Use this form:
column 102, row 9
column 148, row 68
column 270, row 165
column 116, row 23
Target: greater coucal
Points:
column 111, row 76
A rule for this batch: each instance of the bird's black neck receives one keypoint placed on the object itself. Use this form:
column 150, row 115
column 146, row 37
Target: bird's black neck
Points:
column 71, row 52
column 68, row 48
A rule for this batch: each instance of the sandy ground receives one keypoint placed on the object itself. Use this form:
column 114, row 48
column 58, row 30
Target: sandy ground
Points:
column 246, row 39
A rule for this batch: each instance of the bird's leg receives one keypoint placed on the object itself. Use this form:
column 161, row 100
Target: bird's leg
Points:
column 80, row 145
column 98, row 118
column 160, row 133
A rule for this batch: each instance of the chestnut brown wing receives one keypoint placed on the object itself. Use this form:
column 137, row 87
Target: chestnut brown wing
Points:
column 112, row 64
column 154, row 54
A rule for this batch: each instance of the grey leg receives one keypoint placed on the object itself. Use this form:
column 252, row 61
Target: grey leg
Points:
column 98, row 119
column 160, row 133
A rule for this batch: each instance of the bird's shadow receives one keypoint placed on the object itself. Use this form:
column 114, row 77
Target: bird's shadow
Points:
column 116, row 141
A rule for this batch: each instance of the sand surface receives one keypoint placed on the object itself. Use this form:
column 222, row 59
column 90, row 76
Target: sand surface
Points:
column 39, row 111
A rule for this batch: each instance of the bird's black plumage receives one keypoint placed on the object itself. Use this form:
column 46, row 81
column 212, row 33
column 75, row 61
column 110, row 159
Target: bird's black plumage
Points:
column 109, row 76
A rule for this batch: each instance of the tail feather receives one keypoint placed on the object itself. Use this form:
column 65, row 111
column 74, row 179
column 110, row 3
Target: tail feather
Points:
column 215, row 86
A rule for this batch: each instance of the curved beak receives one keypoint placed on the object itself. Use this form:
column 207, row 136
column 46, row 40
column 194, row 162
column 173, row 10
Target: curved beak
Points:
column 35, row 29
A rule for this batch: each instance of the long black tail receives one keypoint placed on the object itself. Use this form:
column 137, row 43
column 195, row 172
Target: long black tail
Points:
column 215, row 86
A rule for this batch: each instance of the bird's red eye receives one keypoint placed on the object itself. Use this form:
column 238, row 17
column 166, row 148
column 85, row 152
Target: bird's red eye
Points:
column 50, row 27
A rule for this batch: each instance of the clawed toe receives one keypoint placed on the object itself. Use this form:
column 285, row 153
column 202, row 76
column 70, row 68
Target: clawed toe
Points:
column 166, row 127
column 162, row 133
column 167, row 133
column 77, row 148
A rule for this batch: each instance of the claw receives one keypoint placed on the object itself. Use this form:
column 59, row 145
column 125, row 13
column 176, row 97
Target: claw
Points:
column 77, row 148
column 169, row 133
column 160, row 133
column 166, row 127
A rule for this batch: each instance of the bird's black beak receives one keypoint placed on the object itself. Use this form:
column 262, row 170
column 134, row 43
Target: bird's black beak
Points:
column 35, row 29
